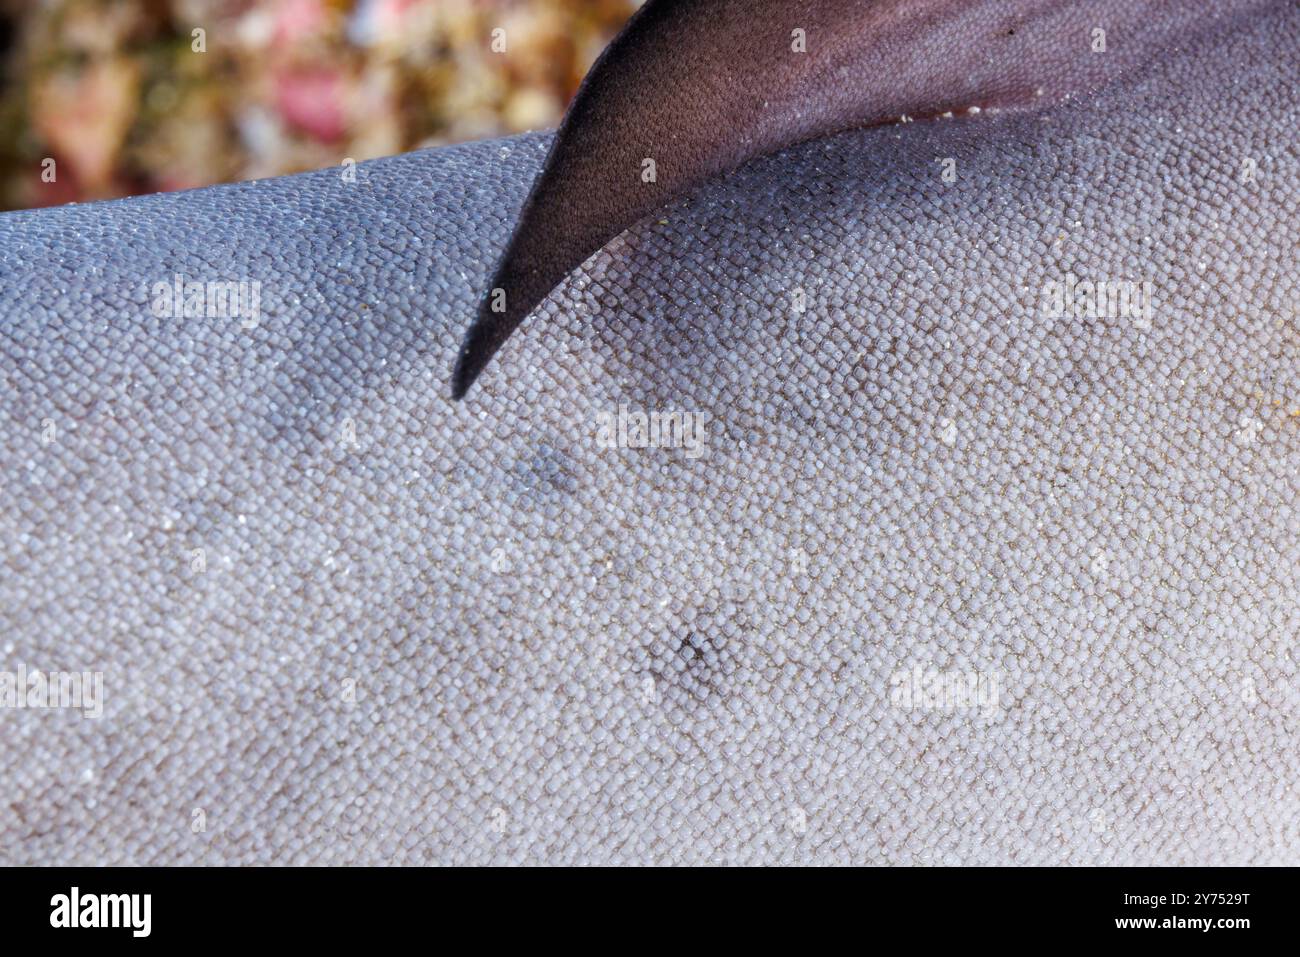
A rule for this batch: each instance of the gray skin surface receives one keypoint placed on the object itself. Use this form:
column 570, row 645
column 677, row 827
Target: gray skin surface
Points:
column 426, row 632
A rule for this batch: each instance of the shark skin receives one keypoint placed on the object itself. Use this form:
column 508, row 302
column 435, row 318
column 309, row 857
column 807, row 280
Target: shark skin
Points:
column 969, row 571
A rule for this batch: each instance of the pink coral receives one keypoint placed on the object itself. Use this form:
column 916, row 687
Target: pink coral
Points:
column 313, row 101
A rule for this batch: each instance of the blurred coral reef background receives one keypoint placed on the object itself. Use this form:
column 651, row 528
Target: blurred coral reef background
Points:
column 124, row 96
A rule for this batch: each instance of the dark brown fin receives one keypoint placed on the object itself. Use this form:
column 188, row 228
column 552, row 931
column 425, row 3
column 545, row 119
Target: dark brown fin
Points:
column 694, row 88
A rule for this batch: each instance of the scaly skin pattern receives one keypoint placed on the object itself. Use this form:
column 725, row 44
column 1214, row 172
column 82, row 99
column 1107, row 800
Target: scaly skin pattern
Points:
column 343, row 619
column 693, row 88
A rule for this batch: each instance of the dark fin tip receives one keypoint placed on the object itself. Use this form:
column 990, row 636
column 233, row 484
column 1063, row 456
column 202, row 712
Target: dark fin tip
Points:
column 465, row 373
column 481, row 343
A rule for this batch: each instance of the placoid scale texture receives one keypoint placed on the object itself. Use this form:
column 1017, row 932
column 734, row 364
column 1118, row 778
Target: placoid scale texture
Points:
column 341, row 619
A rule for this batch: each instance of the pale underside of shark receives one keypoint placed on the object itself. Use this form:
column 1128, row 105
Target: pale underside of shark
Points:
column 958, row 571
